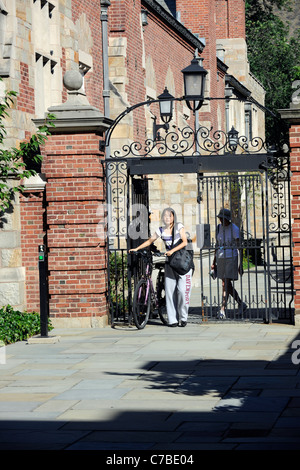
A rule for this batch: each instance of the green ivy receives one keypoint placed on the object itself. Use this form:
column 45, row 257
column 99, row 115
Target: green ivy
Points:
column 18, row 326
column 118, row 280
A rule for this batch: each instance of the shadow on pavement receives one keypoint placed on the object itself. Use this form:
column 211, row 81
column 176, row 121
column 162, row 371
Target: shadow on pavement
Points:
column 177, row 405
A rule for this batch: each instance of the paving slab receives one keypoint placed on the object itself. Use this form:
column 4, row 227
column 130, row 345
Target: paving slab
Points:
column 210, row 386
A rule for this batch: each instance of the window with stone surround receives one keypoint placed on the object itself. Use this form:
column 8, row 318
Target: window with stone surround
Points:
column 45, row 40
column 248, row 121
column 5, row 43
column 44, row 3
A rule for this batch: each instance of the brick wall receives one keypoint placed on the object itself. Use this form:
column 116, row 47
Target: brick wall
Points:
column 222, row 14
column 236, row 19
column 125, row 22
column 159, row 41
column 200, row 16
column 93, row 79
column 76, row 260
column 117, row 15
column 230, row 19
column 25, row 101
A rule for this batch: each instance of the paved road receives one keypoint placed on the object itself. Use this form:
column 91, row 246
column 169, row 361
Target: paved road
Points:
column 207, row 386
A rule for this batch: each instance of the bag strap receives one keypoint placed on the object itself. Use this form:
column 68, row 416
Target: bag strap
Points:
column 178, row 242
column 172, row 246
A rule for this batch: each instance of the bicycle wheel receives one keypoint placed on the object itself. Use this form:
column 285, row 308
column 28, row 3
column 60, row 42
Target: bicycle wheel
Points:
column 161, row 297
column 141, row 305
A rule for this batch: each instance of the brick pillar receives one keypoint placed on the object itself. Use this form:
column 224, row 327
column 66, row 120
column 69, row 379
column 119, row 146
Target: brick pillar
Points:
column 74, row 192
column 292, row 116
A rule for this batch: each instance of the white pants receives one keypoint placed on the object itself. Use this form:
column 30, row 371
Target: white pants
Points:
column 178, row 293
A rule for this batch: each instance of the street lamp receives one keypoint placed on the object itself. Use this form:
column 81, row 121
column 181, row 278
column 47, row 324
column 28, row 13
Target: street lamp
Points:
column 194, row 84
column 166, row 106
column 166, row 111
column 233, row 139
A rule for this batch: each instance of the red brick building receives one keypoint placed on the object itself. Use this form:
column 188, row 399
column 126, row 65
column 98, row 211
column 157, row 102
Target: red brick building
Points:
column 149, row 43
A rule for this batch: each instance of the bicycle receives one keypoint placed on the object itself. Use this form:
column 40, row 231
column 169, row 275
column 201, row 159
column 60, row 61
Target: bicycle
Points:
column 146, row 298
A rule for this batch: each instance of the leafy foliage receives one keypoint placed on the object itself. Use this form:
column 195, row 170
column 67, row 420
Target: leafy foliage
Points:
column 18, row 326
column 256, row 9
column 14, row 161
column 274, row 58
column 118, row 276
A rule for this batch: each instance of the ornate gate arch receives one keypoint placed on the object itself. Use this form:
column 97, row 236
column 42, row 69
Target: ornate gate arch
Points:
column 229, row 170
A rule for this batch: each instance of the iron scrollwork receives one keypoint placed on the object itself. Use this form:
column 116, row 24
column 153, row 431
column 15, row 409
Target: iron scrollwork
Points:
column 278, row 174
column 180, row 142
column 116, row 177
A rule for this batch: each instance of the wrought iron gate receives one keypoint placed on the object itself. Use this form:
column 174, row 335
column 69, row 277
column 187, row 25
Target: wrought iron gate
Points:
column 127, row 196
column 253, row 184
column 266, row 286
column 260, row 206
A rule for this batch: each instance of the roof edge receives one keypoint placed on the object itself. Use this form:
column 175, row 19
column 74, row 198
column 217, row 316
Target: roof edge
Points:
column 174, row 23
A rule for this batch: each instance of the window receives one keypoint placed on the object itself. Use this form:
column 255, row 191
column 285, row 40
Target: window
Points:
column 45, row 43
column 5, row 43
column 248, row 121
column 44, row 3
column 45, row 67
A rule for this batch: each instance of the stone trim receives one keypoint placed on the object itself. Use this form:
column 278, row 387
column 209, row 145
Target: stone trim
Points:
column 292, row 115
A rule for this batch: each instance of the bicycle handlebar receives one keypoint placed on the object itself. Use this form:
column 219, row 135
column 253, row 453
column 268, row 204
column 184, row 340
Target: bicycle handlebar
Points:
column 147, row 253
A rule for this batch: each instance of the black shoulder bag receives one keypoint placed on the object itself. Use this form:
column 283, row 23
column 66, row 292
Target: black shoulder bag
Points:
column 182, row 260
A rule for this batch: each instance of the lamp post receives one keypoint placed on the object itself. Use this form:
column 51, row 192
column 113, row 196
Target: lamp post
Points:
column 194, row 87
column 233, row 139
column 194, row 84
column 165, row 110
column 166, row 106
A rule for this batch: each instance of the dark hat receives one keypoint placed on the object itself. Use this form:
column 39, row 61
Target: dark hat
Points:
column 224, row 214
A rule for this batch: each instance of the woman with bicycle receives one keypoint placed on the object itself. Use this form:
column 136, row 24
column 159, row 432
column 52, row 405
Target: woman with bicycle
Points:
column 177, row 287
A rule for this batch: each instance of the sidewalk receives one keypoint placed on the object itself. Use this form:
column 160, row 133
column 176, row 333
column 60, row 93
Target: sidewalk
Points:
column 217, row 386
